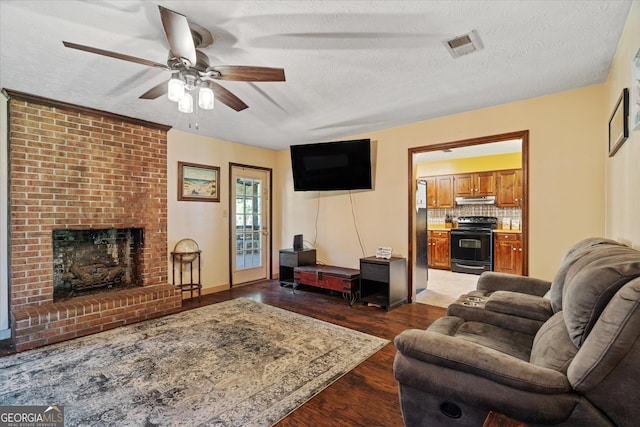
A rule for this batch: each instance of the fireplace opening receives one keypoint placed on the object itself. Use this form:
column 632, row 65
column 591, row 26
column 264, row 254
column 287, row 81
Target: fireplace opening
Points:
column 91, row 261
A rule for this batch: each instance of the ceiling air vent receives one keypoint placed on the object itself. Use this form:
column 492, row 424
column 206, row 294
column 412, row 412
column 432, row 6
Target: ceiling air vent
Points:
column 463, row 44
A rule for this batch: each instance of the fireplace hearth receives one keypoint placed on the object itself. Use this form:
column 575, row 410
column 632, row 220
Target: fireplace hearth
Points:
column 91, row 261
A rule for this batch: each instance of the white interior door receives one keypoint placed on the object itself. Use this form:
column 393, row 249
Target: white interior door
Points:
column 250, row 200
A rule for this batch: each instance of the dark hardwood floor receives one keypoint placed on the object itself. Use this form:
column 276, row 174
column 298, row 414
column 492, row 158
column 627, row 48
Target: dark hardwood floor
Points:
column 367, row 395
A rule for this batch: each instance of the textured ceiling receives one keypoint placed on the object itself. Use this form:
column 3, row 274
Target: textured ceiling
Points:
column 351, row 66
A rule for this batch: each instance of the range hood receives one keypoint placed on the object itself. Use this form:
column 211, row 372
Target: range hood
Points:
column 482, row 200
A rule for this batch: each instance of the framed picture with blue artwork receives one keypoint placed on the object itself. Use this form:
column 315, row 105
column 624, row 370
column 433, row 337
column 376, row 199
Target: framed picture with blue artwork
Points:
column 198, row 183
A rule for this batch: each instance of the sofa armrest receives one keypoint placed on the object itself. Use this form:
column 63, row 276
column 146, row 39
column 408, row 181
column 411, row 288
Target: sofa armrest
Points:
column 492, row 281
column 520, row 305
column 475, row 359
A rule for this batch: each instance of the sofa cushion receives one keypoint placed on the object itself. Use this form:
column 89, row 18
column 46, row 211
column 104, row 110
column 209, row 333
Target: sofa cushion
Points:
column 591, row 282
column 552, row 347
column 520, row 305
column 506, row 341
column 612, row 339
column 573, row 255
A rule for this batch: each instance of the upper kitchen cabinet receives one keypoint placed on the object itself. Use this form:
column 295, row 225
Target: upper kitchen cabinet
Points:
column 440, row 191
column 509, row 188
column 475, row 184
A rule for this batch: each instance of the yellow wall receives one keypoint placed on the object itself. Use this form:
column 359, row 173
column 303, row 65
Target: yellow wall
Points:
column 568, row 168
column 622, row 170
column 470, row 164
column 566, row 173
column 207, row 222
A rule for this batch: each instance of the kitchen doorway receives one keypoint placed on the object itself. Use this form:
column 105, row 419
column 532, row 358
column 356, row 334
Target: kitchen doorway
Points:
column 479, row 146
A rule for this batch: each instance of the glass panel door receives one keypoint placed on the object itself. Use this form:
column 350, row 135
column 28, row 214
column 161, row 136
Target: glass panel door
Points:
column 250, row 224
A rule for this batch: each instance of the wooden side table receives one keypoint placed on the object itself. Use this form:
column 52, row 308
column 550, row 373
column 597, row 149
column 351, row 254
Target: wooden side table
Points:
column 495, row 419
column 383, row 282
column 183, row 258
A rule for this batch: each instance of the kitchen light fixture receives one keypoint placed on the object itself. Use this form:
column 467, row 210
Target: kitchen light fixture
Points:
column 182, row 88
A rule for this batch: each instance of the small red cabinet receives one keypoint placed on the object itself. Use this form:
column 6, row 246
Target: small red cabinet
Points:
column 338, row 279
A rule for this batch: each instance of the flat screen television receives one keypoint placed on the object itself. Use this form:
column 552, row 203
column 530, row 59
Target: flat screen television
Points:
column 329, row 166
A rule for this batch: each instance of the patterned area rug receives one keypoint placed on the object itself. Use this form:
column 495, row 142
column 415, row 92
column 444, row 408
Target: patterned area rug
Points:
column 236, row 363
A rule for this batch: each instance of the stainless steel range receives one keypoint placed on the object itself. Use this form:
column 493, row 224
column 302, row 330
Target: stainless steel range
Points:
column 472, row 244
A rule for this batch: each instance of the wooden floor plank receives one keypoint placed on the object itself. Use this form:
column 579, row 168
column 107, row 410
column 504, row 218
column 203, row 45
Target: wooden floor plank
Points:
column 368, row 394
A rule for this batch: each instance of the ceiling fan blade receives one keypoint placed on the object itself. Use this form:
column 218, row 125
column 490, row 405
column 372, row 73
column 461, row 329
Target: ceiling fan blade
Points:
column 242, row 73
column 176, row 28
column 226, row 97
column 155, row 92
column 114, row 55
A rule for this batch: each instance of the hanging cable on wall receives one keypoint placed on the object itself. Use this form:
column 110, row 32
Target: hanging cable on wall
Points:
column 355, row 223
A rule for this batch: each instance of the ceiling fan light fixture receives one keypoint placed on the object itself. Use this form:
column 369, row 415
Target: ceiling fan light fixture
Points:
column 190, row 79
column 205, row 98
column 175, row 88
column 185, row 105
column 189, row 67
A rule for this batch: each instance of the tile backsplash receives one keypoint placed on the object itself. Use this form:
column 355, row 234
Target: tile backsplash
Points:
column 437, row 216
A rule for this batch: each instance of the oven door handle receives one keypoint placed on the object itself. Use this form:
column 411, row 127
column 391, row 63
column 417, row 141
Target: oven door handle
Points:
column 472, row 267
column 471, row 232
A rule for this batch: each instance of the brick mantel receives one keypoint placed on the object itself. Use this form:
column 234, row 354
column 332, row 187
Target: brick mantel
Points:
column 76, row 168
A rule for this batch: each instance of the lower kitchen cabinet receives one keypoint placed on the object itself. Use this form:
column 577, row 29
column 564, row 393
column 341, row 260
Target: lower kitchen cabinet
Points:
column 439, row 249
column 507, row 253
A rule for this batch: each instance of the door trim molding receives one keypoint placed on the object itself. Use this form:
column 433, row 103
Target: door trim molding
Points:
column 231, row 241
column 522, row 135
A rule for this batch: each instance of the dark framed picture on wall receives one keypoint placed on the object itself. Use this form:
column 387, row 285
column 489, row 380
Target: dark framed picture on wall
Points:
column 618, row 123
column 198, row 183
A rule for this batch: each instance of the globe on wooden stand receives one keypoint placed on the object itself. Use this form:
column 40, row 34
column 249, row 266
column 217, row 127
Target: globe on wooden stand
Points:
column 184, row 254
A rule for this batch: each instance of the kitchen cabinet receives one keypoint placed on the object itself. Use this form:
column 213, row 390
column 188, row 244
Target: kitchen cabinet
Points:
column 507, row 253
column 475, row 184
column 509, row 188
column 439, row 249
column 440, row 191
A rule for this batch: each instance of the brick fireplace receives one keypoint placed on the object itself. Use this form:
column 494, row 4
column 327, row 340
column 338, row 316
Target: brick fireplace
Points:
column 86, row 262
column 72, row 169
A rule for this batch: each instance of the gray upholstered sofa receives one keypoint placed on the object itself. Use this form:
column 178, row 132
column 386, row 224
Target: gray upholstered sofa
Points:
column 565, row 353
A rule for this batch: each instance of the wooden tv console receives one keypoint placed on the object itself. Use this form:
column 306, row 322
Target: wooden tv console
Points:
column 338, row 279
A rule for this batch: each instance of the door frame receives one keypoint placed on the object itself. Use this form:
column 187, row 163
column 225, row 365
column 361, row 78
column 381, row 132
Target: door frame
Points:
column 269, row 250
column 412, row 169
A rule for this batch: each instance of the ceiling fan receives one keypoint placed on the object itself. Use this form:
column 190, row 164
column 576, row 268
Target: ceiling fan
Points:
column 190, row 67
